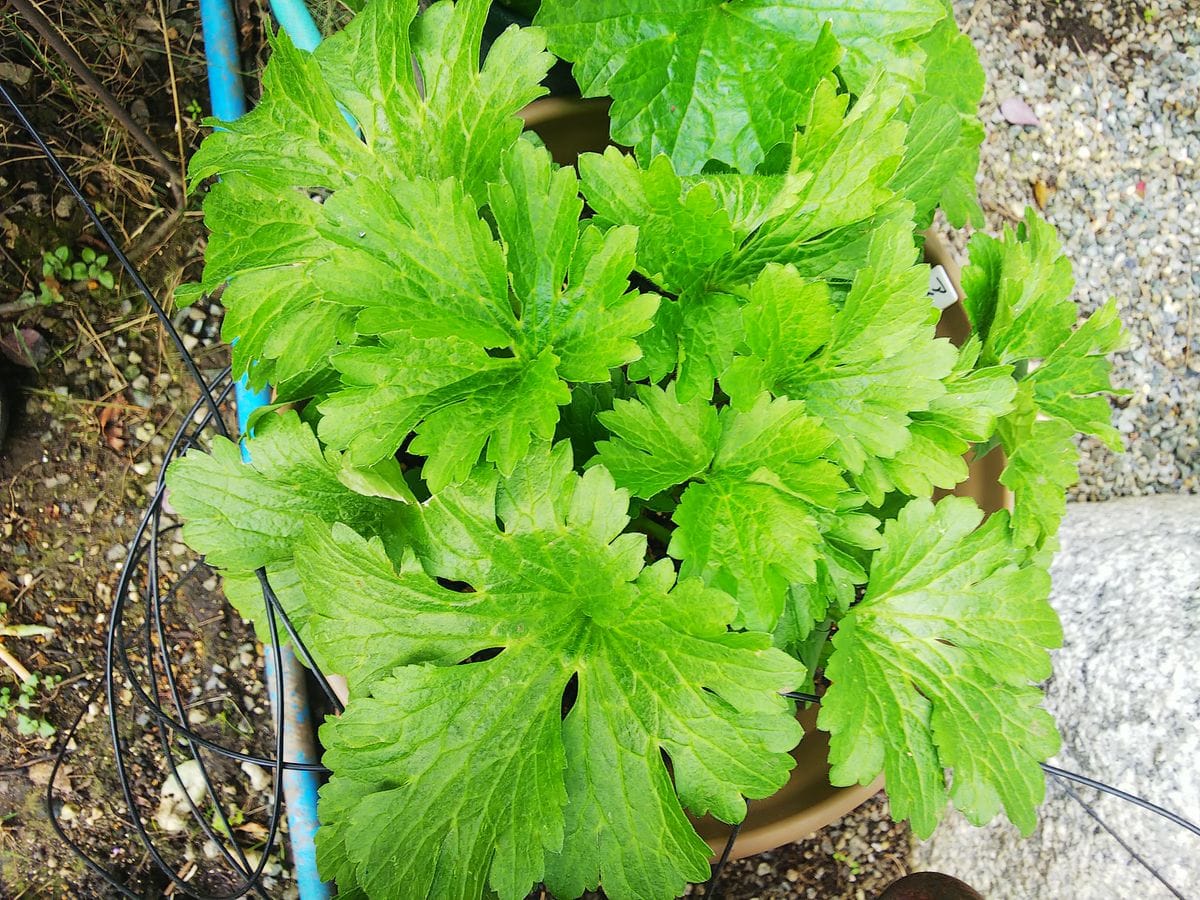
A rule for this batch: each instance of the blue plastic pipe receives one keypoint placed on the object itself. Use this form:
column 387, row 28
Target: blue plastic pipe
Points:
column 294, row 18
column 299, row 788
column 225, row 91
column 228, row 99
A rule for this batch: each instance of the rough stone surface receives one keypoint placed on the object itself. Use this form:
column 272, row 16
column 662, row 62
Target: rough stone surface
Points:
column 1126, row 693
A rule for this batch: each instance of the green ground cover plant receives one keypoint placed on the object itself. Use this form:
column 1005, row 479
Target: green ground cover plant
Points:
column 582, row 469
column 89, row 271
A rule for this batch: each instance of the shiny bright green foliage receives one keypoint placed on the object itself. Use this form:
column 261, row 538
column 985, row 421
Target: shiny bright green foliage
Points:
column 939, row 437
column 941, row 153
column 935, row 670
column 761, row 508
column 582, row 470
column 243, row 516
column 904, row 405
column 403, row 120
column 647, row 666
column 706, row 79
column 701, row 80
column 838, row 180
column 707, row 238
column 456, row 359
column 1018, row 298
column 354, row 110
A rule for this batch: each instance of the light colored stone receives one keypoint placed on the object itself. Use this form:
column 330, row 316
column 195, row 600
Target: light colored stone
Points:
column 173, row 809
column 260, row 778
column 1126, row 693
column 39, row 773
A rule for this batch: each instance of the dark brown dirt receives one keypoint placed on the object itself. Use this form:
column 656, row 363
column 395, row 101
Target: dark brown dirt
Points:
column 69, row 503
column 91, row 429
column 1084, row 24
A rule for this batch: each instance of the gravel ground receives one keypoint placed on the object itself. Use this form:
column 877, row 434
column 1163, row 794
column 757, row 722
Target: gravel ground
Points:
column 1115, row 86
column 853, row 859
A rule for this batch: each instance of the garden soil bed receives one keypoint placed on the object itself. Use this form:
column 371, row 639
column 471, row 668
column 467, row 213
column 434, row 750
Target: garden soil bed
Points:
column 69, row 502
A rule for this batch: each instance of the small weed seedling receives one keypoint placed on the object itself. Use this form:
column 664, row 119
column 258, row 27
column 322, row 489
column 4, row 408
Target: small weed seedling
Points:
column 59, row 270
column 32, row 684
column 25, row 703
column 849, row 862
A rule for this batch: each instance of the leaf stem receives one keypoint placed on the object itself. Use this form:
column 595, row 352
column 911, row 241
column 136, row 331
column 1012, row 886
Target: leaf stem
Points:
column 982, row 450
column 653, row 529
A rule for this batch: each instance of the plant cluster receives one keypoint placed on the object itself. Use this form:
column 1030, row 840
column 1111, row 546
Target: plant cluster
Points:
column 29, row 722
column 581, row 469
column 59, row 269
column 34, row 687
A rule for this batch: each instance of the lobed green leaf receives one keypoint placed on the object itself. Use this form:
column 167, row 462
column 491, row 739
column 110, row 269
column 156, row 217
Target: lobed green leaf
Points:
column 1018, row 297
column 246, row 512
column 759, row 498
column 473, row 343
column 452, row 779
column 701, row 80
column 935, row 670
column 865, row 368
column 389, row 100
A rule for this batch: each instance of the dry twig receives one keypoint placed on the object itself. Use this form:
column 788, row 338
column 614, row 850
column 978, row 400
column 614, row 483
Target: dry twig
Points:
column 15, row 664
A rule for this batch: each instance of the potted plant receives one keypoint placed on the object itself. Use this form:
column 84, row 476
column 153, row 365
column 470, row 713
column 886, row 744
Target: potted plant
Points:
column 583, row 470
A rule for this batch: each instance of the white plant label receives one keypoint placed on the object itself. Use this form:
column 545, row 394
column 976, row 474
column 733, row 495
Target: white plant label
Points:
column 941, row 288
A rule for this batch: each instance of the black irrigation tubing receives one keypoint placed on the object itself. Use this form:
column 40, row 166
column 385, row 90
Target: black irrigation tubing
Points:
column 134, row 560
column 714, row 881
column 153, row 613
column 172, row 730
column 1174, row 818
column 114, row 642
column 117, row 648
column 1071, row 792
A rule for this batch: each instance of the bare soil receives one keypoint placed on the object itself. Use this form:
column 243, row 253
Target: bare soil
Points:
column 93, row 416
column 1084, row 25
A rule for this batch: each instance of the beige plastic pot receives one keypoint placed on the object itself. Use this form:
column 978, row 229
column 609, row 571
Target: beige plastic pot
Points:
column 808, row 802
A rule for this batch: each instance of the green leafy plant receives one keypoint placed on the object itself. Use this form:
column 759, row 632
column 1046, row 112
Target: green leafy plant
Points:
column 583, row 470
column 60, row 269
column 33, row 690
